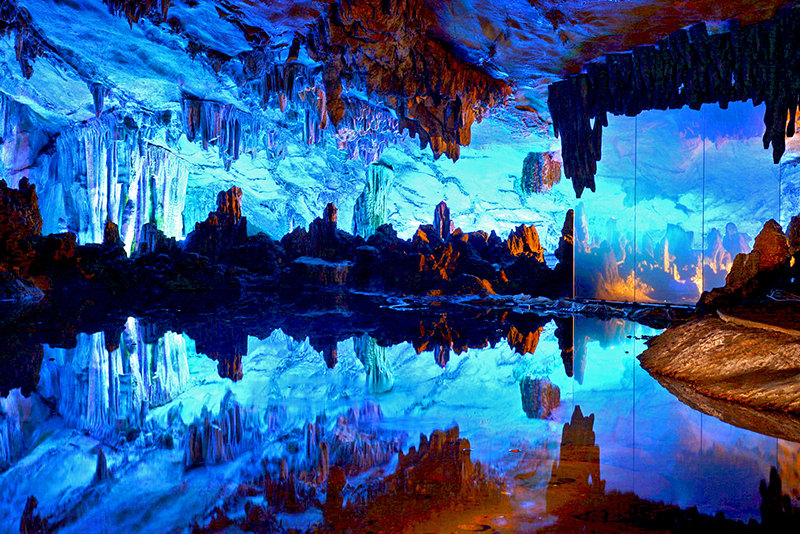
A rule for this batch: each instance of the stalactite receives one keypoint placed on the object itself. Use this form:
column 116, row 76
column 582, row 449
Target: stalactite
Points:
column 689, row 67
column 233, row 131
column 95, row 172
column 28, row 44
column 352, row 39
column 134, row 10
column 366, row 130
column 98, row 97
column 369, row 211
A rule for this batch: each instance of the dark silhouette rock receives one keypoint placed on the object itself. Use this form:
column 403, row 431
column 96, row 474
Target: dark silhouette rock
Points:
column 101, row 472
column 793, row 235
column 20, row 223
column 31, row 522
column 332, row 511
column 111, row 235
column 223, row 229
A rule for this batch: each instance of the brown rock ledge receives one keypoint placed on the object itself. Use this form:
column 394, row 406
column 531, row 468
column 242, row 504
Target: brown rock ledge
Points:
column 751, row 366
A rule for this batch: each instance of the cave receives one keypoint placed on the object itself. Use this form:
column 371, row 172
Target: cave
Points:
column 401, row 266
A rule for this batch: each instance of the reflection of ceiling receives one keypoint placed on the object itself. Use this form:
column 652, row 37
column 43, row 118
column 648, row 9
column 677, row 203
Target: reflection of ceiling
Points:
column 437, row 65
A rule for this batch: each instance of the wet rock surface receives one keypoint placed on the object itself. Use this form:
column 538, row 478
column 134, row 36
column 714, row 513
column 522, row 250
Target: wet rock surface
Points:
column 727, row 361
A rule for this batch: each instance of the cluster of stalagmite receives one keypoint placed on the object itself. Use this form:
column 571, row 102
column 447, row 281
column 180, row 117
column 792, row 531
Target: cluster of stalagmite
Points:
column 689, row 67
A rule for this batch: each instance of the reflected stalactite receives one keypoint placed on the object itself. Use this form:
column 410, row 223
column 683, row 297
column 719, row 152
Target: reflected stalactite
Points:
column 380, row 377
column 104, row 391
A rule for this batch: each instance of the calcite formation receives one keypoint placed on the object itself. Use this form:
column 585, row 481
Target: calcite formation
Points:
column 391, row 45
column 225, row 228
column 540, row 172
column 688, row 68
column 540, row 397
column 369, row 211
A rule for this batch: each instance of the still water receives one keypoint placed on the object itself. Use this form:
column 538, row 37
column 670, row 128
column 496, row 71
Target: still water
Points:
column 535, row 431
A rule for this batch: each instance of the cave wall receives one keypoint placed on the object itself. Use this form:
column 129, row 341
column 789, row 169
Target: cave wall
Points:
column 684, row 192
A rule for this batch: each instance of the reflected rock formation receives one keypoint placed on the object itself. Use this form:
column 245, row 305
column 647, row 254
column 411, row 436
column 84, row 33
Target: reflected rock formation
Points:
column 430, row 483
column 576, row 477
column 380, row 377
column 540, row 397
column 540, row 172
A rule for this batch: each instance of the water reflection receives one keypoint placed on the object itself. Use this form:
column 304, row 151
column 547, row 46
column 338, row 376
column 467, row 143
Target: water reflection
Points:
column 503, row 421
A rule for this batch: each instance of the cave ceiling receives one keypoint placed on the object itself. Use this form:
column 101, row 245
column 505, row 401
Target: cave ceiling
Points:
column 430, row 68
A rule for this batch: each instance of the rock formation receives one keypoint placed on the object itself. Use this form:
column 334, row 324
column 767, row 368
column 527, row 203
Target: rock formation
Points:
column 753, row 275
column 442, row 225
column 540, row 172
column 674, row 73
column 225, row 228
column 20, row 222
column 540, row 397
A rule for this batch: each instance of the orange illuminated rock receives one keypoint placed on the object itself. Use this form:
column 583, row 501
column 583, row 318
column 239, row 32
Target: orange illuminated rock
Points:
column 524, row 241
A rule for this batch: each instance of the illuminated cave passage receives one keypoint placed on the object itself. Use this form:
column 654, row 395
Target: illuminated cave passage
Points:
column 331, row 266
